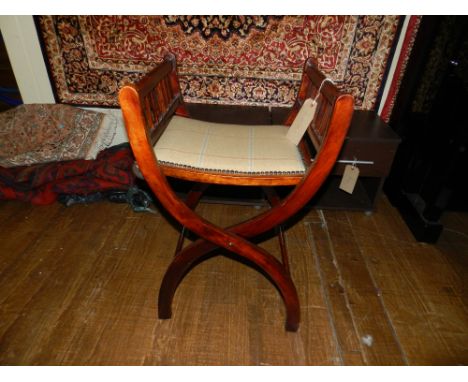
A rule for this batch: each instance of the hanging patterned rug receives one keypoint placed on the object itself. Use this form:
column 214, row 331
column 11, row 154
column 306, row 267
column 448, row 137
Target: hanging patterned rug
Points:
column 240, row 60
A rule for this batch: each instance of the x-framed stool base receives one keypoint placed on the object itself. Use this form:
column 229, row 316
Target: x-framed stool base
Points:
column 277, row 272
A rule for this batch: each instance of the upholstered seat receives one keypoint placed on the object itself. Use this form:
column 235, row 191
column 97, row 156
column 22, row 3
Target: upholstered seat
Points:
column 252, row 149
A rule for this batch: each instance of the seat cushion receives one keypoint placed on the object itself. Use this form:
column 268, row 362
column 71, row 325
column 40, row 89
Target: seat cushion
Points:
column 254, row 149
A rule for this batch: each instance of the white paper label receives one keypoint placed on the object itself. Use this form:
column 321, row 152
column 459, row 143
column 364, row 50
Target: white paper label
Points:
column 350, row 177
column 302, row 121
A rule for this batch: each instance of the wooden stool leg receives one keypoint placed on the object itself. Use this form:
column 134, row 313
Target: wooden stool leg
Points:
column 233, row 239
column 278, row 273
column 192, row 200
column 269, row 264
column 274, row 201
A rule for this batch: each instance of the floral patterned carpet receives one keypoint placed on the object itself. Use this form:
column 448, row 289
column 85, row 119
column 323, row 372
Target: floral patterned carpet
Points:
column 241, row 60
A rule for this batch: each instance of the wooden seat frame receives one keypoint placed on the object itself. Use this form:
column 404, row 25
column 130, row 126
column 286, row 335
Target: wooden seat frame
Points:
column 147, row 108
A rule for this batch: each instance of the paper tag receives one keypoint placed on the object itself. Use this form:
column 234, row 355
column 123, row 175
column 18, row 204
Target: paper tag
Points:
column 302, row 121
column 350, row 177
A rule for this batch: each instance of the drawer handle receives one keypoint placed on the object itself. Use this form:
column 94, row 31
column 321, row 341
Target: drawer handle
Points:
column 351, row 161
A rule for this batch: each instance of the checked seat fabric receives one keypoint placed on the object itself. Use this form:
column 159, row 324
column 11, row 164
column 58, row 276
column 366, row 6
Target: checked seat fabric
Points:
column 250, row 149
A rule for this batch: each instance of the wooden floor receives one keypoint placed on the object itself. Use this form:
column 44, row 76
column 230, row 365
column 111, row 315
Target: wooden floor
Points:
column 78, row 286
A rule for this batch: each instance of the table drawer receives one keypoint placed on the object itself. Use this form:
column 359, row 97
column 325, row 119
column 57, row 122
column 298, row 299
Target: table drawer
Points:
column 372, row 158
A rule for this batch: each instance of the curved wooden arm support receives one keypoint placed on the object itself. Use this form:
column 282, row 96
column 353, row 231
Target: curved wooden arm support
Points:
column 148, row 106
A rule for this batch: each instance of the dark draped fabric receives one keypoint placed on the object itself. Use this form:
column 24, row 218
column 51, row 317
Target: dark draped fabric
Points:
column 42, row 184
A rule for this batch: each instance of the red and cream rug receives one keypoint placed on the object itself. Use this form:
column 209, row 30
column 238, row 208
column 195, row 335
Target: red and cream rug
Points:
column 241, row 60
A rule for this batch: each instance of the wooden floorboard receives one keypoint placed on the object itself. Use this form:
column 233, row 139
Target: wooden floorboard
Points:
column 78, row 286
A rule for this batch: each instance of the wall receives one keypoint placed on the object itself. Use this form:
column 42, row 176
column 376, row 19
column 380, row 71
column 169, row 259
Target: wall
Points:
column 19, row 34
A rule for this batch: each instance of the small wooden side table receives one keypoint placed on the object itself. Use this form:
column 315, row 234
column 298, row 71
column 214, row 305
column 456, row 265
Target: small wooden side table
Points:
column 371, row 145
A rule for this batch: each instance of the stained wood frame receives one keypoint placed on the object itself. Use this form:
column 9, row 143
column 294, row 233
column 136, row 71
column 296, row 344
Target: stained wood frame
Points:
column 147, row 107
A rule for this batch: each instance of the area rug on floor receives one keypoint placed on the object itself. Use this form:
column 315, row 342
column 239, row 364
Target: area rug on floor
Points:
column 43, row 133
